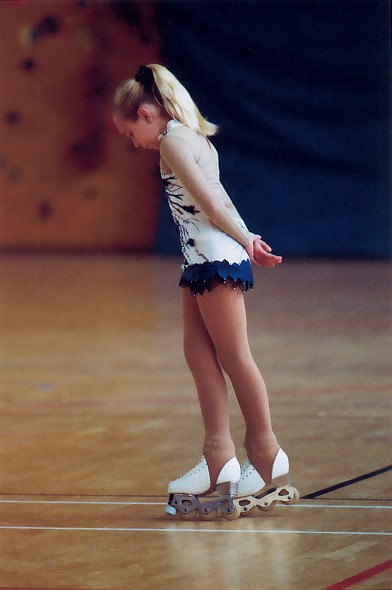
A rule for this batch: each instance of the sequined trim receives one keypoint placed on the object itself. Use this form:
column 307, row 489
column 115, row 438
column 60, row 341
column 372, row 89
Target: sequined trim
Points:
column 206, row 276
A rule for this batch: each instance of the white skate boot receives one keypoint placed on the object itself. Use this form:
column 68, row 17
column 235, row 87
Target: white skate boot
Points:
column 185, row 493
column 253, row 491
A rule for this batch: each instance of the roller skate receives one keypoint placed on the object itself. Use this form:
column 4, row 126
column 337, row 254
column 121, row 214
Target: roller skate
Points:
column 186, row 493
column 254, row 492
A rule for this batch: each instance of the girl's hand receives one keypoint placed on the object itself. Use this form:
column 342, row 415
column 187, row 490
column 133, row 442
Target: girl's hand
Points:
column 260, row 253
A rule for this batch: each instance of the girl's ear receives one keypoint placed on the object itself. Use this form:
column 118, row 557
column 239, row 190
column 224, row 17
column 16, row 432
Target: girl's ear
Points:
column 145, row 113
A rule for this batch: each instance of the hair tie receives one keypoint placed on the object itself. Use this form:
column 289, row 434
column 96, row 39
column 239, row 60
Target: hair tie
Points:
column 145, row 76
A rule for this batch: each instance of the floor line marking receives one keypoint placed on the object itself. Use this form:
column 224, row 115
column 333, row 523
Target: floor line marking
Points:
column 365, row 575
column 200, row 530
column 348, row 482
column 132, row 503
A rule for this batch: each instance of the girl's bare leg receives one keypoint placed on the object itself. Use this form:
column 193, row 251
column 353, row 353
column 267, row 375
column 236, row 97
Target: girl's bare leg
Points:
column 224, row 317
column 210, row 383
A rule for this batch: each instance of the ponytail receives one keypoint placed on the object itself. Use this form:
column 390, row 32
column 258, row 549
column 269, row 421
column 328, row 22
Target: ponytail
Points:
column 164, row 89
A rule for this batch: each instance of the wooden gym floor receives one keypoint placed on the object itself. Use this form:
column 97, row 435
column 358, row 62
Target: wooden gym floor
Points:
column 98, row 413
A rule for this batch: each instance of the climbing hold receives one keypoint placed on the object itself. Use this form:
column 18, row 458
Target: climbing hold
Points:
column 12, row 117
column 45, row 210
column 28, row 64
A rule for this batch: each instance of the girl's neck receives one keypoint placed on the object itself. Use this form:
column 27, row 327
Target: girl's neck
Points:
column 163, row 122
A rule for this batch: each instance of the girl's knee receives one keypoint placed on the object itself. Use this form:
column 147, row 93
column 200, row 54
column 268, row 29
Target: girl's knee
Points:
column 236, row 361
column 198, row 355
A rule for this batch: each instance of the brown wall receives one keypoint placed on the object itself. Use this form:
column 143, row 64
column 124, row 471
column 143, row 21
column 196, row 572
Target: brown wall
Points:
column 68, row 179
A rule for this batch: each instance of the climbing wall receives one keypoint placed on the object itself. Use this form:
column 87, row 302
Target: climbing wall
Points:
column 69, row 180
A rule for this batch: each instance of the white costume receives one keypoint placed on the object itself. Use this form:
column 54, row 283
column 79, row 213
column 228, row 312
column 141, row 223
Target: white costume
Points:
column 210, row 254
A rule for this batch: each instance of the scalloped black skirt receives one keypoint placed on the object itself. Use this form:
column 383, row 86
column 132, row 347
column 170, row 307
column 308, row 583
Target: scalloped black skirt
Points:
column 207, row 275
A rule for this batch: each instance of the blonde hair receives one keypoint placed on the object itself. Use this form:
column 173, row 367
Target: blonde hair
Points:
column 167, row 92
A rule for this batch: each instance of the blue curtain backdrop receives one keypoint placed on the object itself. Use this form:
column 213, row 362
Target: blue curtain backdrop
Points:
column 301, row 92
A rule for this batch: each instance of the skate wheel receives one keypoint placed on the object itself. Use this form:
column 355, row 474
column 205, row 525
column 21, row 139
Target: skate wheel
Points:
column 290, row 500
column 246, row 506
column 233, row 515
column 189, row 512
column 266, row 507
column 208, row 515
column 288, row 495
column 295, row 493
column 186, row 515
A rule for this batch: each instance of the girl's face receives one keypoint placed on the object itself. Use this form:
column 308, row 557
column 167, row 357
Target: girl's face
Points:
column 143, row 132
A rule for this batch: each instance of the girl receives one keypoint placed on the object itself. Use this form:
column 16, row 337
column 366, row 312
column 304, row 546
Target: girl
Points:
column 156, row 112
